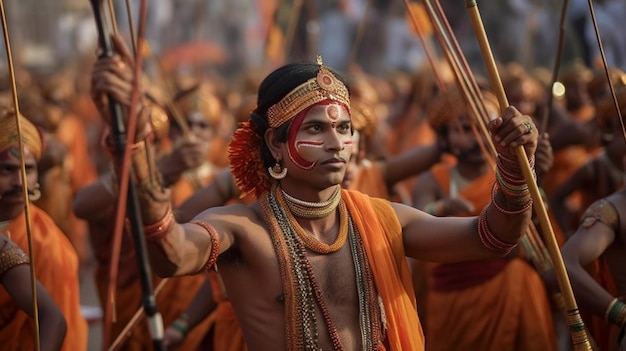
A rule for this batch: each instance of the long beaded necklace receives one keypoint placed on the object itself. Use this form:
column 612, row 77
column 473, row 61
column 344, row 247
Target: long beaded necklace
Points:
column 307, row 292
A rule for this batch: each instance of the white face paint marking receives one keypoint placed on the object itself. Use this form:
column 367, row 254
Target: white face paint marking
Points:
column 311, row 134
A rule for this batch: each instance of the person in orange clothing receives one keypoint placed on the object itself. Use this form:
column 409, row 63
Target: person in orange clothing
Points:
column 308, row 265
column 566, row 135
column 16, row 279
column 191, row 164
column 55, row 260
column 58, row 90
column 224, row 331
column 476, row 305
column 381, row 177
column 602, row 175
column 95, row 203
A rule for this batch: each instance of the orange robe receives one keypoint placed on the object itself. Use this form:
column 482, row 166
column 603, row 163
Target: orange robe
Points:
column 56, row 197
column 218, row 152
column 486, row 305
column 569, row 159
column 381, row 233
column 192, row 181
column 82, row 171
column 56, row 267
column 225, row 333
column 171, row 301
column 566, row 162
column 412, row 132
column 369, row 180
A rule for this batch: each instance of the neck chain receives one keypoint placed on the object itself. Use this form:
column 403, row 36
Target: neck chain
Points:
column 303, row 295
column 308, row 240
column 312, row 210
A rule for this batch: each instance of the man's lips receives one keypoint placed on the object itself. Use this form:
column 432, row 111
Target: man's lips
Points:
column 334, row 161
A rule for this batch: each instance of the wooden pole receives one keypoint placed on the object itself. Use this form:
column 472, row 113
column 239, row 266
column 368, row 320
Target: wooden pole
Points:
column 20, row 143
column 575, row 323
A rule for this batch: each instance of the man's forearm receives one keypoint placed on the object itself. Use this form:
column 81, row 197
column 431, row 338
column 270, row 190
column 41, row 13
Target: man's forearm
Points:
column 508, row 216
column 155, row 204
column 511, row 205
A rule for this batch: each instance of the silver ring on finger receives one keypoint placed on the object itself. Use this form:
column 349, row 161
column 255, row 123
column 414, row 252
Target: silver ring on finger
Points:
column 529, row 127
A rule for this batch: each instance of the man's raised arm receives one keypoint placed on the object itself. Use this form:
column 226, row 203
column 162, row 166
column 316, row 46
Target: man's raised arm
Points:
column 173, row 249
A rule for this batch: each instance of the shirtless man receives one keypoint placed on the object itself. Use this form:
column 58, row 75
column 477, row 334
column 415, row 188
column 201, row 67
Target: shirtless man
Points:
column 307, row 265
column 601, row 236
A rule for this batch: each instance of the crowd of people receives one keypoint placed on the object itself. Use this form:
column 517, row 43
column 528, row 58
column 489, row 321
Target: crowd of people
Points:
column 305, row 207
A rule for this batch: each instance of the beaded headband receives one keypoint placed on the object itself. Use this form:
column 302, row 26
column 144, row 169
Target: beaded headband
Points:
column 325, row 86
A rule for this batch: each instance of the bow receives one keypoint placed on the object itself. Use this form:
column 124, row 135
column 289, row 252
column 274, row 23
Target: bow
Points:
column 29, row 233
column 123, row 136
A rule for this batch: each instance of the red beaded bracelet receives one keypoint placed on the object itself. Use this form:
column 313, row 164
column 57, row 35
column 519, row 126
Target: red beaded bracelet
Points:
column 526, row 206
column 488, row 239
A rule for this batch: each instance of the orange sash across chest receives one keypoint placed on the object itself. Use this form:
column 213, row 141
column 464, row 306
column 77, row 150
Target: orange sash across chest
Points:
column 382, row 238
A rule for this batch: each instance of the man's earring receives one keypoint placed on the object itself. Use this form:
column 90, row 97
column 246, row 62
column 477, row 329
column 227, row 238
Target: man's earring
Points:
column 34, row 194
column 277, row 171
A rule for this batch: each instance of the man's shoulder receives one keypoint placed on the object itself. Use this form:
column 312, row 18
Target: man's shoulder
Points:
column 234, row 214
column 380, row 206
column 41, row 219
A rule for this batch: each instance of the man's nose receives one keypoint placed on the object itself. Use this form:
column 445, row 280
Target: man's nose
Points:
column 16, row 178
column 335, row 141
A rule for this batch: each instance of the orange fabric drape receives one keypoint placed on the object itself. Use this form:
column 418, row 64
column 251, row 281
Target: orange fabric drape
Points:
column 186, row 186
column 478, row 192
column 172, row 300
column 56, row 267
column 566, row 162
column 226, row 333
column 369, row 180
column 82, row 172
column 508, row 311
column 374, row 217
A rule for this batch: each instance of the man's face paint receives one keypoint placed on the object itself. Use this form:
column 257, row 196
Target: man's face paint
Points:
column 321, row 133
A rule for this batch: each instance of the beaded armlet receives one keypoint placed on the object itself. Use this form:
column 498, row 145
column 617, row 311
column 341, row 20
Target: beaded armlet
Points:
column 601, row 211
column 156, row 231
column 11, row 256
column 215, row 244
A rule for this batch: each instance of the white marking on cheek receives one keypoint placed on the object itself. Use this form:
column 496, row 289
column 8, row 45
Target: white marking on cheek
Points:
column 306, row 143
